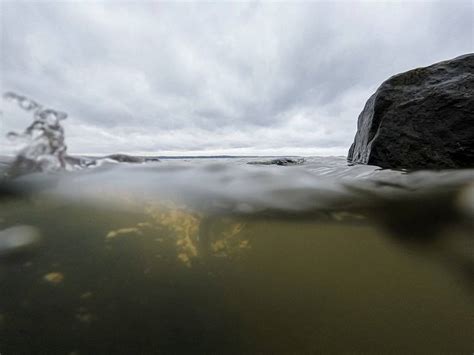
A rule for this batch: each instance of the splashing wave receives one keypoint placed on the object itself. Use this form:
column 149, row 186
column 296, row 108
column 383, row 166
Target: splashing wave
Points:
column 45, row 150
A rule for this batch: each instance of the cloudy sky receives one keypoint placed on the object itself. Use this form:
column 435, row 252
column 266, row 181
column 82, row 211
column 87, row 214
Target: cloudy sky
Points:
column 216, row 78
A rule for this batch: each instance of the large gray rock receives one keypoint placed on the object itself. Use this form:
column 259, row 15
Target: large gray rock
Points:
column 423, row 118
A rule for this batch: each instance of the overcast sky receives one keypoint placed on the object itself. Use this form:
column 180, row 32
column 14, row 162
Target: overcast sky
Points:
column 217, row 78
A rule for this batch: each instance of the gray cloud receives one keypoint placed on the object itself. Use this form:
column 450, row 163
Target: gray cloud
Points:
column 237, row 78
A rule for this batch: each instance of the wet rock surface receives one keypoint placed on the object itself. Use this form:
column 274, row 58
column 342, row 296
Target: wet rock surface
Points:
column 423, row 118
column 124, row 158
column 279, row 161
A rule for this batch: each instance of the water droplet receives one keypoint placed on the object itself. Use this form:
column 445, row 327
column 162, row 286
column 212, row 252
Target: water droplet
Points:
column 18, row 239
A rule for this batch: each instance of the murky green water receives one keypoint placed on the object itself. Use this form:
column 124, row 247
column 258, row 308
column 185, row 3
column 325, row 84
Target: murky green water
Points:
column 163, row 279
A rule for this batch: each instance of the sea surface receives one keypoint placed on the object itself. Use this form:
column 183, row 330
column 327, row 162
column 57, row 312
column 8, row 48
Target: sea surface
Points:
column 218, row 256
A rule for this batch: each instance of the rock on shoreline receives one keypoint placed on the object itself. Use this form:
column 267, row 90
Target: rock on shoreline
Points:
column 279, row 161
column 125, row 158
column 420, row 119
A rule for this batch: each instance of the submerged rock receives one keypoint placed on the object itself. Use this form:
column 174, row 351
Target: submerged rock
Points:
column 54, row 278
column 423, row 118
column 279, row 161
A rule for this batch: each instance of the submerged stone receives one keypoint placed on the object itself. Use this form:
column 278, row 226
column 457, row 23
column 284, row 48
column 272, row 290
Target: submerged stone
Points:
column 54, row 278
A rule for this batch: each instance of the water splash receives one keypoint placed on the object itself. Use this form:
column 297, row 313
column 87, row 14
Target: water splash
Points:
column 45, row 149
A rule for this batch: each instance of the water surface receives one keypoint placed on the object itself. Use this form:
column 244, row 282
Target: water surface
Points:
column 218, row 256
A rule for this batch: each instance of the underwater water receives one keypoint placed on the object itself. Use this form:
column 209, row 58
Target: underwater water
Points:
column 229, row 255
column 219, row 256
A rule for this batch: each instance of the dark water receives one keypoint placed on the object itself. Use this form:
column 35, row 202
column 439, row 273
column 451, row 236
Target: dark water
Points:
column 224, row 257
